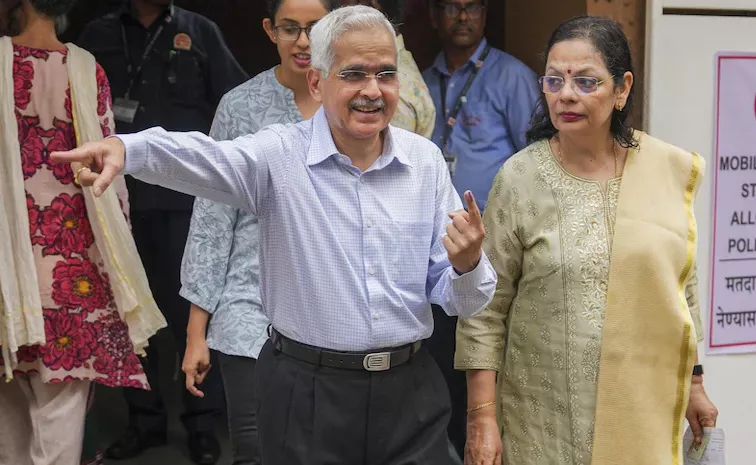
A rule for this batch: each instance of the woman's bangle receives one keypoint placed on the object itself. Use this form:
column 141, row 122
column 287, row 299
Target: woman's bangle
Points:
column 481, row 406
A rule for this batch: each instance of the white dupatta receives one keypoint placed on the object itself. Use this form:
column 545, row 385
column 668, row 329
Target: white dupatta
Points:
column 20, row 305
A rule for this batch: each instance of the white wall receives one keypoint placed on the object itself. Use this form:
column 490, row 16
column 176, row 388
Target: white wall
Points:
column 680, row 90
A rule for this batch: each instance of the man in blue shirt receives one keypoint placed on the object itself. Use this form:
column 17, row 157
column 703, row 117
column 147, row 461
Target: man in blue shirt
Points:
column 484, row 100
column 493, row 114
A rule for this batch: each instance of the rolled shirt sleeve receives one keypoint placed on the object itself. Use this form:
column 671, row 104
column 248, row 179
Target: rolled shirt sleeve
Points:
column 207, row 253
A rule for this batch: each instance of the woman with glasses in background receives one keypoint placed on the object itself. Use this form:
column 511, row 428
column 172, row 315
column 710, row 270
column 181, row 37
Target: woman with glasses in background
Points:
column 587, row 353
column 220, row 273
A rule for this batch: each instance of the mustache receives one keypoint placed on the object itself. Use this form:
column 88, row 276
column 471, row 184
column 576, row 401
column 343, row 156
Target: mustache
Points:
column 461, row 27
column 362, row 102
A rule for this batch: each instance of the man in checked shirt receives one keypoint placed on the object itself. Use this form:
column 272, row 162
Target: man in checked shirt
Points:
column 360, row 230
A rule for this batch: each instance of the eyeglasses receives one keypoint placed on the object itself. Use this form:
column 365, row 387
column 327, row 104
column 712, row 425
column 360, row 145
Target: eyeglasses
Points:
column 580, row 84
column 292, row 32
column 453, row 10
column 358, row 80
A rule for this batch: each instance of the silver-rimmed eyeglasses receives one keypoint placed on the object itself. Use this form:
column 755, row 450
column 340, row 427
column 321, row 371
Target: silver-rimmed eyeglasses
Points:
column 580, row 84
column 358, row 80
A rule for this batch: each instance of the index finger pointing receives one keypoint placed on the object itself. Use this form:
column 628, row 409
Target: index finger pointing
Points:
column 472, row 209
column 81, row 155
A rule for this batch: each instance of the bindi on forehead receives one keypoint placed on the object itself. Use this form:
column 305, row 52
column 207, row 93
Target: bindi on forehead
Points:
column 573, row 68
column 573, row 58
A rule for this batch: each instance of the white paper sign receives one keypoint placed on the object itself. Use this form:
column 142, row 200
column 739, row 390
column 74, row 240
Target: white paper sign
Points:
column 710, row 452
column 732, row 319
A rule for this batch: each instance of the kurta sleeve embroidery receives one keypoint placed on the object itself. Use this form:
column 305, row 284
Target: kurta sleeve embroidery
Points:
column 480, row 340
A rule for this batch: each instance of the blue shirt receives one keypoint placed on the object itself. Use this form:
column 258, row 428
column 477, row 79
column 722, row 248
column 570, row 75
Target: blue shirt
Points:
column 220, row 271
column 350, row 260
column 491, row 125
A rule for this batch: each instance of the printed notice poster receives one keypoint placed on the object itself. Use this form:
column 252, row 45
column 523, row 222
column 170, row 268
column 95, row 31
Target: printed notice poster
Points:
column 732, row 319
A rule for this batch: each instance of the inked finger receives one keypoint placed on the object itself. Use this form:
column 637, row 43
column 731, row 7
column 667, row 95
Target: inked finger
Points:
column 472, row 208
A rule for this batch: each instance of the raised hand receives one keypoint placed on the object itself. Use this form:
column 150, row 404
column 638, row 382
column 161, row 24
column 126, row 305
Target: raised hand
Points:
column 464, row 236
column 99, row 162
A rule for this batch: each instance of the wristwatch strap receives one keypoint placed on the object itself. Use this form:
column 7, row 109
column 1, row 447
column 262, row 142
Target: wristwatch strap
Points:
column 697, row 370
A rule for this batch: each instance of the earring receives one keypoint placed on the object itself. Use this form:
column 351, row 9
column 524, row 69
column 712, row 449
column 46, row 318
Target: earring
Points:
column 618, row 107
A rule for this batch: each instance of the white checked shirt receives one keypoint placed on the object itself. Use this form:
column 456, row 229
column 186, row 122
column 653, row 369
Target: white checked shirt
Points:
column 350, row 260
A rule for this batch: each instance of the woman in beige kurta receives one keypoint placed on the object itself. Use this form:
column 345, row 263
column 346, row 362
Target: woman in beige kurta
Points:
column 549, row 238
column 550, row 224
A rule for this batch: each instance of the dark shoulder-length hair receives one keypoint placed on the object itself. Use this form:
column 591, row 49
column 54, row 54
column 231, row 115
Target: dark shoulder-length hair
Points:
column 272, row 7
column 607, row 38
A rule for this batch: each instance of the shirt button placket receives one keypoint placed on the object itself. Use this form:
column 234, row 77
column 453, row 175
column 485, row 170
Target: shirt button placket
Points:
column 372, row 253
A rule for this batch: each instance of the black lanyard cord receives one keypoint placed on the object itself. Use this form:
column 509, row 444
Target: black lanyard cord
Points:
column 452, row 118
column 134, row 74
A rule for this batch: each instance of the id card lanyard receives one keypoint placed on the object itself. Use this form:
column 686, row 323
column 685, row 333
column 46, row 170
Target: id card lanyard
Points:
column 125, row 108
column 452, row 119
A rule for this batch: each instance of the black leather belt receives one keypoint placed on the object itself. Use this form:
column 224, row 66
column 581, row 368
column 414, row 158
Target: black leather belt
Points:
column 374, row 361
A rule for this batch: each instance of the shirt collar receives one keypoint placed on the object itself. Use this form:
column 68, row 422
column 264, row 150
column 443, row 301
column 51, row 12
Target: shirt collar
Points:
column 440, row 62
column 323, row 146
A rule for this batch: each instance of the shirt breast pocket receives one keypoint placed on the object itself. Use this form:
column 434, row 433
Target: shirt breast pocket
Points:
column 410, row 253
column 184, row 75
column 481, row 125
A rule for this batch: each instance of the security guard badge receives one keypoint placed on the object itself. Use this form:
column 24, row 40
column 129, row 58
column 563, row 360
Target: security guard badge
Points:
column 182, row 41
column 451, row 162
column 125, row 110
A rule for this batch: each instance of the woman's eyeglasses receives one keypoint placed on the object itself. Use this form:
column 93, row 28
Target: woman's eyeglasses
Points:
column 292, row 32
column 580, row 84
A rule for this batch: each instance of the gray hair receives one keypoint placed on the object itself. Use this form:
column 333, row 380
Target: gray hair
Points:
column 332, row 26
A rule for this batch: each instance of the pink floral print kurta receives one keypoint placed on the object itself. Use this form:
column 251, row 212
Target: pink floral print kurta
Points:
column 86, row 338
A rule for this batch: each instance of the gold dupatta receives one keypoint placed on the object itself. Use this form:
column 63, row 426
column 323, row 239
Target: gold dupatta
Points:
column 649, row 341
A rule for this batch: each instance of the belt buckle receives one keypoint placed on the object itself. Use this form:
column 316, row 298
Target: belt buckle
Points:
column 380, row 361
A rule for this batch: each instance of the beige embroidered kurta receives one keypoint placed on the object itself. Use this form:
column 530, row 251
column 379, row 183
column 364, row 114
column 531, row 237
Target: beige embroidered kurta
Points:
column 415, row 111
column 549, row 237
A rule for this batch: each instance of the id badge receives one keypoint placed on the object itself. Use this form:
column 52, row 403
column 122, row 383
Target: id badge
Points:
column 451, row 162
column 125, row 110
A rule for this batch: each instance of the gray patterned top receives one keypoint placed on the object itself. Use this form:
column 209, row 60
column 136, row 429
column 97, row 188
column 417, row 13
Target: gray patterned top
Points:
column 220, row 271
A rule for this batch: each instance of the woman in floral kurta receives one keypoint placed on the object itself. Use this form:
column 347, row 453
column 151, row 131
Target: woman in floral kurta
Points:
column 86, row 338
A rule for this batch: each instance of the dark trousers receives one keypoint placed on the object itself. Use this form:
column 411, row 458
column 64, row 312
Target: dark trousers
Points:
column 311, row 415
column 241, row 405
column 442, row 345
column 160, row 237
